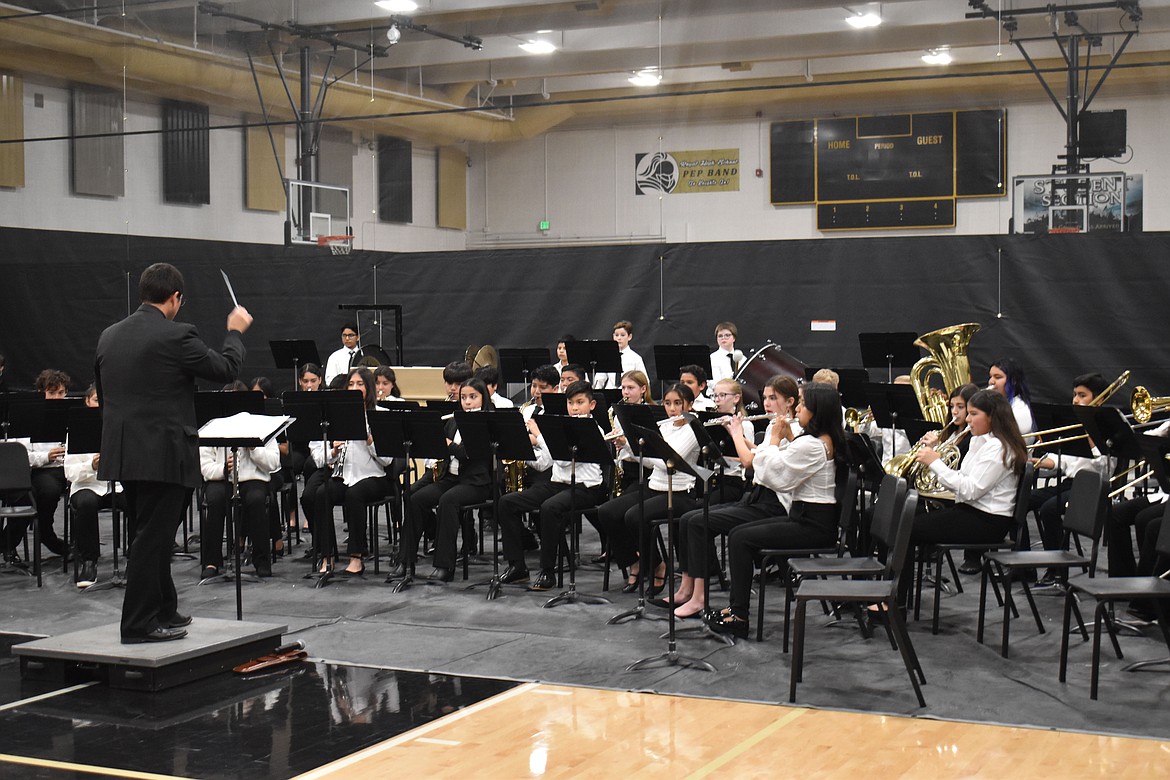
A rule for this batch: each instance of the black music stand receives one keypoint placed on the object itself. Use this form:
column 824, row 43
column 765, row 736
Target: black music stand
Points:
column 626, row 420
column 240, row 430
column 891, row 405
column 517, row 365
column 670, row 358
column 442, row 407
column 211, row 405
column 85, row 435
column 555, row 403
column 294, row 353
column 851, row 384
column 597, row 355
column 492, row 436
column 399, row 406
column 886, row 350
column 573, row 440
column 324, row 415
column 1110, row 431
column 916, row 428
column 408, row 434
column 650, row 443
column 16, row 410
column 612, row 395
column 358, row 308
column 714, row 444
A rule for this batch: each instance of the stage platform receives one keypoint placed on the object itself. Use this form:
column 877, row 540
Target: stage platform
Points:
column 210, row 647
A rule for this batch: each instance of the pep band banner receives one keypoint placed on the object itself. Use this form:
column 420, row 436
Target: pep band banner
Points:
column 704, row 170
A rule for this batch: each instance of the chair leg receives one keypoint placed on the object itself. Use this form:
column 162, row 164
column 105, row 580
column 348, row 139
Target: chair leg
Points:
column 1032, row 605
column 983, row 577
column 938, row 589
column 1096, row 671
column 954, row 572
column 796, row 672
column 919, row 568
column 1006, row 575
column 1064, row 636
column 1112, row 634
column 909, row 657
column 760, row 607
column 789, row 595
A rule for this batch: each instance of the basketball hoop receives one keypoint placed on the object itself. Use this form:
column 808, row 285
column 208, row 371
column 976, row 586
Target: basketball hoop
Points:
column 338, row 245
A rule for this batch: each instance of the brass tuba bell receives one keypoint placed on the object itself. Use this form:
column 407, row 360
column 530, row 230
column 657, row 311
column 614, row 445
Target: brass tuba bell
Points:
column 948, row 359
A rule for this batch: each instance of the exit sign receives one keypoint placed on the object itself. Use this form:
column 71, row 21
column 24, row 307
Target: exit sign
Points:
column 545, row 225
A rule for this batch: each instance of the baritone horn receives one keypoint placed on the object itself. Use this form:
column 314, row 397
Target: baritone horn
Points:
column 1145, row 406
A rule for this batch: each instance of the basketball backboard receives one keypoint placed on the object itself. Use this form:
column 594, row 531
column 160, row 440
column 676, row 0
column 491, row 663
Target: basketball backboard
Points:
column 315, row 210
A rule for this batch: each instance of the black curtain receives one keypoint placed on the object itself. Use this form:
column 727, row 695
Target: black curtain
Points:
column 1061, row 305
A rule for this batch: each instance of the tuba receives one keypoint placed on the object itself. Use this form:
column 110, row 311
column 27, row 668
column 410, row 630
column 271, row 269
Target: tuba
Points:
column 948, row 359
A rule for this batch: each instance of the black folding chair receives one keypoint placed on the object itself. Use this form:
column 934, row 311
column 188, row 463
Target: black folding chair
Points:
column 16, row 484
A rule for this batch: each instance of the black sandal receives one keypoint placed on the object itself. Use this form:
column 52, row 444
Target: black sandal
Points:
column 726, row 622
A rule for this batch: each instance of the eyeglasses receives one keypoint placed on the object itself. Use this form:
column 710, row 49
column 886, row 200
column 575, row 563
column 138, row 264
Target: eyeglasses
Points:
column 349, row 335
column 725, row 395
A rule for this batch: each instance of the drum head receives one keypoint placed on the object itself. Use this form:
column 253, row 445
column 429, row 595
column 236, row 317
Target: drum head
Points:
column 765, row 363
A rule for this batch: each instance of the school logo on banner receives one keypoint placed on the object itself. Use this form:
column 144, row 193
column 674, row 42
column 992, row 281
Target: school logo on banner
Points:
column 707, row 170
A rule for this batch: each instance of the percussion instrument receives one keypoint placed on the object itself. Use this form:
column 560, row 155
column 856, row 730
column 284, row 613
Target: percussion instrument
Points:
column 765, row 363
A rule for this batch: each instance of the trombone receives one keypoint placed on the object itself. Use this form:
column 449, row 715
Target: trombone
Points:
column 1100, row 399
column 1144, row 406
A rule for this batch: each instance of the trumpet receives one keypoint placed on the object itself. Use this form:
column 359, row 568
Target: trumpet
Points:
column 855, row 418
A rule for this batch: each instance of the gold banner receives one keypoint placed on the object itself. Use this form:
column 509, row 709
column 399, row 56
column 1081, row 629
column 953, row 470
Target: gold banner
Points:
column 703, row 170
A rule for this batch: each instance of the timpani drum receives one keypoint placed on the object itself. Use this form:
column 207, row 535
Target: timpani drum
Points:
column 765, row 363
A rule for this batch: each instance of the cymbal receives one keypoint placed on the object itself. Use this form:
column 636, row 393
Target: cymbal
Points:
column 469, row 355
column 486, row 356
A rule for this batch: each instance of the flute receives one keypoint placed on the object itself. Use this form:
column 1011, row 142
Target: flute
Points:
column 719, row 420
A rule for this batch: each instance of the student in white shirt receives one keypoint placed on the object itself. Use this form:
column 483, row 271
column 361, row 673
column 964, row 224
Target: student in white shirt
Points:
column 1006, row 377
column 48, row 478
column 695, row 377
column 255, row 472
column 726, row 360
column 386, row 384
column 88, row 495
column 343, row 359
column 358, row 478
column 807, row 469
column 490, row 376
column 984, row 485
column 623, row 334
column 563, row 352
column 622, row 517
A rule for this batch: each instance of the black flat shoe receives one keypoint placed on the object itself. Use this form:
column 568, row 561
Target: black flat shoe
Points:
column 208, row 572
column 730, row 624
column 630, row 587
column 396, row 572
column 442, row 575
column 177, row 620
column 546, row 581
column 970, row 567
column 160, row 634
column 263, row 568
column 656, row 588
column 514, row 574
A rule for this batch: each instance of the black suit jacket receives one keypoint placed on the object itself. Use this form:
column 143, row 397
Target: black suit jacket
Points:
column 145, row 372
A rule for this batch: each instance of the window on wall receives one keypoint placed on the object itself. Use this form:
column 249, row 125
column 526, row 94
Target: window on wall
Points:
column 394, row 180
column 186, row 153
column 97, row 166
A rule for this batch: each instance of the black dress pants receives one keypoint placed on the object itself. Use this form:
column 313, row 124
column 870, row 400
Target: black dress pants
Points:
column 697, row 543
column 48, row 485
column 150, row 592
column 961, row 523
column 553, row 499
column 218, row 493
column 436, row 505
column 353, row 500
column 86, row 505
column 622, row 518
column 807, row 527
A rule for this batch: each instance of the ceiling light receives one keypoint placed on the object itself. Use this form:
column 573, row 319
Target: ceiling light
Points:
column 861, row 21
column 538, row 47
column 649, row 77
column 393, row 34
column 937, row 57
column 397, row 6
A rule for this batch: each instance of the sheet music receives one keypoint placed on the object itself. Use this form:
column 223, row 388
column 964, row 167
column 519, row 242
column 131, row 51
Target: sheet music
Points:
column 245, row 425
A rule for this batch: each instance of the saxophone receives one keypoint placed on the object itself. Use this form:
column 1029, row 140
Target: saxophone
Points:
column 515, row 471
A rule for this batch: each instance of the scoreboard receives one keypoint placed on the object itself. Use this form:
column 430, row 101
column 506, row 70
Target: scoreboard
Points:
column 904, row 170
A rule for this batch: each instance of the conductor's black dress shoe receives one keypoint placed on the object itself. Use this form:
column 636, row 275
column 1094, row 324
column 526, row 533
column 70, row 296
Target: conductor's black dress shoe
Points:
column 160, row 634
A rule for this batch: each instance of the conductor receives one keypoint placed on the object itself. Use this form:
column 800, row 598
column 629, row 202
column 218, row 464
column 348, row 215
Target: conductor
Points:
column 145, row 373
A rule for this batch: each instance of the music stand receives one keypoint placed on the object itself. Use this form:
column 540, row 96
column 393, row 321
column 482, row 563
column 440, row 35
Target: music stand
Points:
column 573, row 440
column 890, row 405
column 233, row 432
column 517, row 365
column 85, row 435
column 492, row 436
column 442, row 407
column 714, row 441
column 916, row 428
column 886, row 350
column 325, row 416
column 408, row 434
column 15, row 410
column 851, row 384
column 1110, row 431
column 612, row 395
column 597, row 355
column 650, row 443
column 555, row 403
column 670, row 358
column 294, row 353
column 399, row 406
